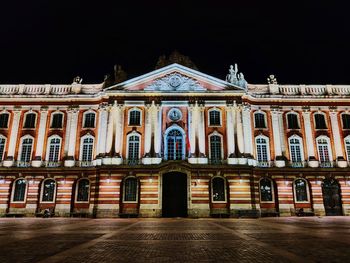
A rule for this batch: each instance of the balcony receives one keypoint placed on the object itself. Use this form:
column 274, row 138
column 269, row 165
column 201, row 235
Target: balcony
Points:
column 132, row 161
column 300, row 164
column 216, row 161
column 326, row 164
column 264, row 164
column 85, row 163
column 23, row 164
column 51, row 164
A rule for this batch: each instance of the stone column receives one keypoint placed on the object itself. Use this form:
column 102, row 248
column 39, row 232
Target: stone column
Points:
column 336, row 138
column 66, row 141
column 102, row 133
column 240, row 137
column 148, row 130
column 119, row 130
column 201, row 135
column 13, row 138
column 192, row 127
column 279, row 161
column 70, row 161
column 230, row 132
column 309, row 139
column 40, row 138
column 158, row 132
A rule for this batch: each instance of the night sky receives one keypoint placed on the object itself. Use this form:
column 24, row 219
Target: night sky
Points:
column 52, row 41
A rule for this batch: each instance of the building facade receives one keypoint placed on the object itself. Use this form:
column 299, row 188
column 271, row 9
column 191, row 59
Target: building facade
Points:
column 175, row 142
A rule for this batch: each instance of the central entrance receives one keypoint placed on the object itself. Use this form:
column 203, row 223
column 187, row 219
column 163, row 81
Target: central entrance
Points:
column 174, row 192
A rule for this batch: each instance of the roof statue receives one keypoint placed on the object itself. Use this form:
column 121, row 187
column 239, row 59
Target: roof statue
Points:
column 119, row 75
column 77, row 80
column 272, row 79
column 236, row 78
column 175, row 57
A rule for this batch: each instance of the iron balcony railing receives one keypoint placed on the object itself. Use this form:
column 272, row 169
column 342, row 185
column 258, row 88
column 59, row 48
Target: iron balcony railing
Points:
column 132, row 161
column 264, row 164
column 216, row 161
column 23, row 164
column 85, row 163
column 299, row 164
column 326, row 164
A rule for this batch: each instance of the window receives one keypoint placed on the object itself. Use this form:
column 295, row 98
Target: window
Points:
column 130, row 189
column 20, row 187
column 4, row 118
column 296, row 150
column 29, row 121
column 57, row 121
column 48, row 190
column 259, row 120
column 215, row 148
column 135, row 117
column 262, row 149
column 292, row 119
column 300, row 187
column 320, row 121
column 133, row 146
column 218, row 189
column 266, row 190
column 83, row 190
column 2, row 147
column 214, row 117
column 347, row 147
column 89, row 120
column 87, row 149
column 346, row 121
column 174, row 145
column 323, row 151
column 26, row 150
column 54, row 149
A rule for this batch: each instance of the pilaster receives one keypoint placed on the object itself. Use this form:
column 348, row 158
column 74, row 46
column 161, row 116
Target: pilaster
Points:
column 40, row 138
column 341, row 162
column 312, row 162
column 276, row 118
column 70, row 161
column 8, row 162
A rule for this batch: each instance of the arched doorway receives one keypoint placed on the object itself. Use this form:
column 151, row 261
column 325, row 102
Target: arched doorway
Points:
column 174, row 195
column 331, row 197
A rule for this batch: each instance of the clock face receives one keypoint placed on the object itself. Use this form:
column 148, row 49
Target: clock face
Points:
column 175, row 81
column 175, row 114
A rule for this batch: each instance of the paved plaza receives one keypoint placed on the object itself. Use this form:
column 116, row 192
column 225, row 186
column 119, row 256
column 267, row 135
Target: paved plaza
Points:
column 310, row 239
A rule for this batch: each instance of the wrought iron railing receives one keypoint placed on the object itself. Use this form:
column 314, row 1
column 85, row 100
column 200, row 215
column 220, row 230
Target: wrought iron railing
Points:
column 264, row 164
column 132, row 161
column 23, row 164
column 51, row 164
column 297, row 164
column 85, row 163
column 326, row 164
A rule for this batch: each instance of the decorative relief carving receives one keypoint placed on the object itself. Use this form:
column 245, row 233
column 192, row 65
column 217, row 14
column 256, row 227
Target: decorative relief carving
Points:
column 175, row 82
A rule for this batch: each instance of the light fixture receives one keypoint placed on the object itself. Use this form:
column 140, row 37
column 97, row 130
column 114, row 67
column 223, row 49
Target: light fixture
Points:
column 2, row 180
column 108, row 178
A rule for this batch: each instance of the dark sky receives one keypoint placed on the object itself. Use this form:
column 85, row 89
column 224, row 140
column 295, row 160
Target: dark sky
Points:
column 52, row 41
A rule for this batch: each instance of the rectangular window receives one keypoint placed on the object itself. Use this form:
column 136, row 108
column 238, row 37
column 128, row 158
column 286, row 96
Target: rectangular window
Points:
column 30, row 121
column 89, row 120
column 320, row 121
column 214, row 118
column 259, row 120
column 135, row 118
column 346, row 121
column 292, row 121
column 57, row 121
column 4, row 120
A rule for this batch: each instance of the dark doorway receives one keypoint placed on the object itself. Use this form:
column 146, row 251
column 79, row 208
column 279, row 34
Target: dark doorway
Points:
column 174, row 195
column 331, row 197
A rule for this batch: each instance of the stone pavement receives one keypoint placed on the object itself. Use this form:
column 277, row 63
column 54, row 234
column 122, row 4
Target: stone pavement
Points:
column 309, row 239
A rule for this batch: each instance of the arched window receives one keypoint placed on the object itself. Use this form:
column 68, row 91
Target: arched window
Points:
column 133, row 153
column 292, row 120
column 300, row 188
column 89, row 120
column 259, row 119
column 218, row 189
column 4, row 119
column 130, row 189
column 324, row 153
column 262, row 150
column 347, row 147
column 57, row 120
column 54, row 147
column 19, row 191
column 48, row 190
column 29, row 122
column 345, row 120
column 266, row 190
column 215, row 148
column 83, row 190
column 214, row 117
column 26, row 150
column 296, row 150
column 2, row 147
column 135, row 117
column 86, row 150
column 320, row 121
column 174, row 145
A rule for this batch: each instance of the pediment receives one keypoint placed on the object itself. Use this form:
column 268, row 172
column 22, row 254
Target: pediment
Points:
column 175, row 78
